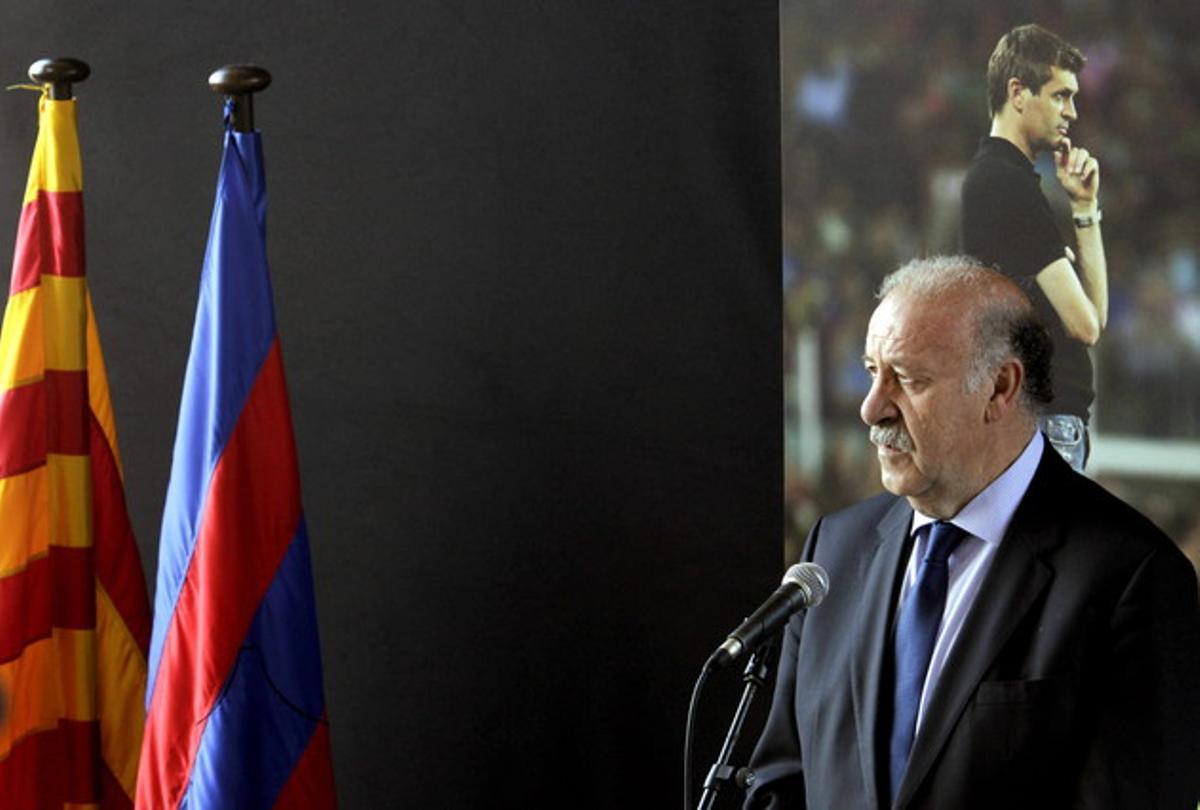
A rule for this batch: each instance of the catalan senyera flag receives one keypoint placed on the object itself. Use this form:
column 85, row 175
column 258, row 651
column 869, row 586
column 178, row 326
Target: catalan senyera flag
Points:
column 74, row 617
column 235, row 710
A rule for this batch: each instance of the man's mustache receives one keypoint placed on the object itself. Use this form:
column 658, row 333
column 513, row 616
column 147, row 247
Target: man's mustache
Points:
column 892, row 434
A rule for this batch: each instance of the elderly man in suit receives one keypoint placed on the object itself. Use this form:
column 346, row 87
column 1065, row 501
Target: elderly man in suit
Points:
column 1000, row 632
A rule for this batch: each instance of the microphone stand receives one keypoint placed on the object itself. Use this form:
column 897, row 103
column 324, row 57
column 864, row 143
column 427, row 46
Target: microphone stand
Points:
column 755, row 675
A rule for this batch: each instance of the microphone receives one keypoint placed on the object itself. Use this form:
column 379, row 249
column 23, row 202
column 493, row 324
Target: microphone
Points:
column 804, row 586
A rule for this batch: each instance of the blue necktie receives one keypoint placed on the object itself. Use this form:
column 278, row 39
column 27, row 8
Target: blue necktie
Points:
column 916, row 631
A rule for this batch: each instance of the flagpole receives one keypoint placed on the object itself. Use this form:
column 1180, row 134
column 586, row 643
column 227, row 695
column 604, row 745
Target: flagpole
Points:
column 60, row 74
column 238, row 83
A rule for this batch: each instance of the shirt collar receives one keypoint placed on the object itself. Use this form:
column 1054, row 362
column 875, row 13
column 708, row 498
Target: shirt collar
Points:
column 1005, row 150
column 988, row 514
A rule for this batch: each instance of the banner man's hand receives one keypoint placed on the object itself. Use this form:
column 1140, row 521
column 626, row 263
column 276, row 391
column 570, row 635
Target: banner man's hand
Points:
column 1078, row 172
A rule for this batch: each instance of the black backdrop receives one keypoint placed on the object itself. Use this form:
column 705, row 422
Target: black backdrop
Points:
column 526, row 258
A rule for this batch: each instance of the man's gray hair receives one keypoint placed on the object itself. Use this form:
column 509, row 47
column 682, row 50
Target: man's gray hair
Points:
column 1006, row 325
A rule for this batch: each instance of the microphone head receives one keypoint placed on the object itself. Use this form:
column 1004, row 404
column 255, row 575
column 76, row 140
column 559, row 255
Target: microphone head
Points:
column 811, row 579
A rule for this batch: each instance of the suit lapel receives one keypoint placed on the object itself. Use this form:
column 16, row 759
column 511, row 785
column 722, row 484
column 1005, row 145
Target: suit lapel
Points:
column 874, row 616
column 1016, row 578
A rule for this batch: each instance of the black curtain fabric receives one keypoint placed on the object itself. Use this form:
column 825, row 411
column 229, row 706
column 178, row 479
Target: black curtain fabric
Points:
column 526, row 269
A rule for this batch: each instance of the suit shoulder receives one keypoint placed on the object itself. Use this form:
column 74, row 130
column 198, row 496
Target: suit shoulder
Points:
column 1097, row 517
column 1101, row 508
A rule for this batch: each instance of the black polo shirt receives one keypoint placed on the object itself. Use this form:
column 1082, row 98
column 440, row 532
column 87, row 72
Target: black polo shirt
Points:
column 1007, row 223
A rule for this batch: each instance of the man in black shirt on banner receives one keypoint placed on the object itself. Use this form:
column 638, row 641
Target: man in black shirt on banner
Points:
column 1007, row 222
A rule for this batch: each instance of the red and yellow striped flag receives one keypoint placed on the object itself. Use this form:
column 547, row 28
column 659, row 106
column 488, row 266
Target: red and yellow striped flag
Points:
column 74, row 618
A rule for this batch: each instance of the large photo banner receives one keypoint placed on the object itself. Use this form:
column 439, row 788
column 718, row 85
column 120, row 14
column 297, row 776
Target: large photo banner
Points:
column 884, row 108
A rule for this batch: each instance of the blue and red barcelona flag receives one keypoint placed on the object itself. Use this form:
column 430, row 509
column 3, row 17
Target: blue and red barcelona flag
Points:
column 235, row 707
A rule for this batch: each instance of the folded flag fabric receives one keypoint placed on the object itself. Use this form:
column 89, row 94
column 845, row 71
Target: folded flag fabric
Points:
column 74, row 617
column 235, row 706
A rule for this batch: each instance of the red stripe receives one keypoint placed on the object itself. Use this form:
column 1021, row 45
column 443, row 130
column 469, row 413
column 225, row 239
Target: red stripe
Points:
column 22, row 429
column 112, row 793
column 118, row 566
column 51, row 767
column 49, row 239
column 51, row 591
column 311, row 784
column 26, row 434
column 29, row 775
column 80, row 769
column 27, row 255
column 64, row 214
column 67, row 404
column 250, row 516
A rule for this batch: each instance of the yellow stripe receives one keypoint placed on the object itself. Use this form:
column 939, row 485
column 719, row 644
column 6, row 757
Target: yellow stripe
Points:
column 98, row 396
column 70, row 502
column 77, row 661
column 53, row 678
column 59, row 677
column 32, row 693
column 65, row 319
column 22, row 352
column 121, row 690
column 56, row 165
column 24, row 520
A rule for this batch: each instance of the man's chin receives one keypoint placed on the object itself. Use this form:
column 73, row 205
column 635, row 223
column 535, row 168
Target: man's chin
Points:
column 897, row 474
column 1051, row 144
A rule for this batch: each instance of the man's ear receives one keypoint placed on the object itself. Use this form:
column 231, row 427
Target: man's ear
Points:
column 1016, row 94
column 1006, row 390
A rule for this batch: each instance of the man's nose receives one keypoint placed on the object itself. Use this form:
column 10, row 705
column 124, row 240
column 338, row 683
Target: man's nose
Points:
column 878, row 406
column 1069, row 111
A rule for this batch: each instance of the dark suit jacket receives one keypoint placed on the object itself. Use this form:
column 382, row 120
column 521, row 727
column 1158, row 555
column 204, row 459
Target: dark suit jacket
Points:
column 1075, row 681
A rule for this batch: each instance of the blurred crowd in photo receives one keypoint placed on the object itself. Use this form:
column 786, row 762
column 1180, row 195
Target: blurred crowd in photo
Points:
column 883, row 106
